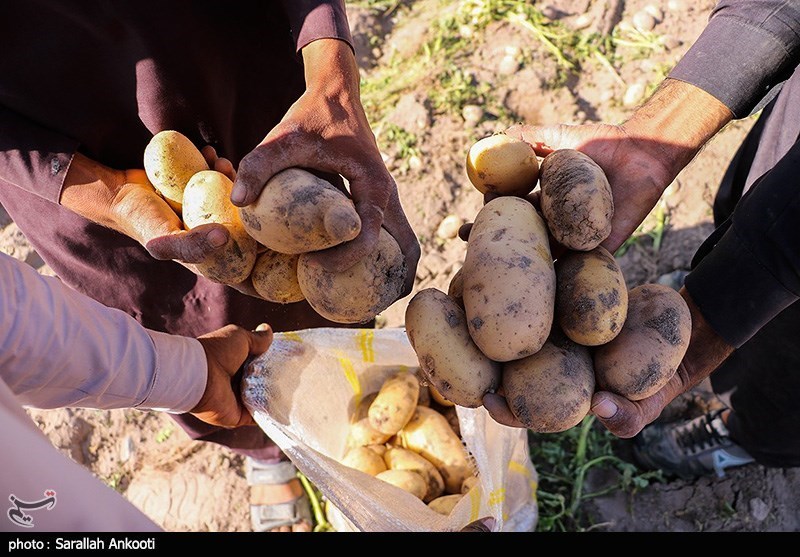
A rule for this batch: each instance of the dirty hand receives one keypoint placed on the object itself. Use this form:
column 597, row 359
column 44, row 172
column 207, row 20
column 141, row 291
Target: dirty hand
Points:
column 226, row 350
column 326, row 130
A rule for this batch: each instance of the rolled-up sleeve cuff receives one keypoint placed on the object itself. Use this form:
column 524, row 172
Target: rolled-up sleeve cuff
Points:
column 312, row 20
column 729, row 61
column 181, row 374
column 734, row 292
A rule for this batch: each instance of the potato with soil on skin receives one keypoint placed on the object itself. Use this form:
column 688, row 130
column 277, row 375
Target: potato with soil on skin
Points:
column 428, row 434
column 509, row 280
column 297, row 212
column 361, row 433
column 551, row 391
column 364, row 459
column 395, row 403
column 591, row 296
column 274, row 277
column 206, row 199
column 644, row 356
column 407, row 480
column 455, row 289
column 445, row 503
column 576, row 199
column 502, row 165
column 436, row 327
column 398, row 458
column 357, row 294
column 170, row 161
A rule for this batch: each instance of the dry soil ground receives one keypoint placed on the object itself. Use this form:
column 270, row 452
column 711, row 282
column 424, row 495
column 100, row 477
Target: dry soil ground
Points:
column 438, row 76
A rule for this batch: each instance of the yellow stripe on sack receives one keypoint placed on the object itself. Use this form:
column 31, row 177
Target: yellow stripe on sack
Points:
column 350, row 374
column 497, row 497
column 365, row 341
column 522, row 469
column 475, row 503
column 292, row 335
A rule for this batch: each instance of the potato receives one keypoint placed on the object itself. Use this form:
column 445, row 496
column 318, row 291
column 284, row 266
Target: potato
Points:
column 456, row 287
column 576, row 199
column 551, row 391
column 445, row 503
column 438, row 398
column 436, row 327
column 361, row 433
column 359, row 293
column 297, row 212
column 503, row 165
column 469, row 483
column 398, row 458
column 338, row 519
column 274, row 277
column 206, row 199
column 170, row 160
column 591, row 296
column 429, row 434
column 407, row 480
column 364, row 459
column 644, row 356
column 451, row 415
column 509, row 280
column 395, row 403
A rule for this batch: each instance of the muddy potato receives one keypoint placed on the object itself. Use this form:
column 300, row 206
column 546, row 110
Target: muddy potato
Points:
column 576, row 199
column 644, row 356
column 274, row 277
column 364, row 459
column 361, row 433
column 297, row 212
column 502, row 165
column 395, row 403
column 509, row 280
column 445, row 504
column 551, row 391
column 206, row 199
column 407, row 480
column 436, row 327
column 398, row 458
column 591, row 296
column 170, row 160
column 429, row 434
column 359, row 293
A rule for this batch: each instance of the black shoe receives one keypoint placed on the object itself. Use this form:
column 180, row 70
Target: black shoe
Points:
column 689, row 448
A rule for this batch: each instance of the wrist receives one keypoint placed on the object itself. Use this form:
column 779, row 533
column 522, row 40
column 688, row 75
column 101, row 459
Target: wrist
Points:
column 675, row 123
column 707, row 349
column 330, row 67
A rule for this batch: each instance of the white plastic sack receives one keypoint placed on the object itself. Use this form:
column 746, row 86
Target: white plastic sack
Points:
column 302, row 393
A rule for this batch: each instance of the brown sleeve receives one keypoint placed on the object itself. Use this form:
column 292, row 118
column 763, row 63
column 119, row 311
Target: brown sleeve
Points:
column 317, row 19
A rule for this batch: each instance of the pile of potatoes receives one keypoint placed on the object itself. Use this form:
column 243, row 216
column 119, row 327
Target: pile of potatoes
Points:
column 407, row 434
column 270, row 241
column 544, row 333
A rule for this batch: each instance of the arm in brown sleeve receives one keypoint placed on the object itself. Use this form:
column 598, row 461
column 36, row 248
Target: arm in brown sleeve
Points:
column 317, row 19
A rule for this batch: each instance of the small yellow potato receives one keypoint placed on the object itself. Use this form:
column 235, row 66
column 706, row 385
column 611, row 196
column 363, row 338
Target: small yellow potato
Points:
column 361, row 433
column 359, row 293
column 438, row 398
column 206, row 199
column 407, row 480
column 644, row 356
column 591, row 296
column 502, row 165
column 436, row 327
column 429, row 434
column 445, row 503
column 551, row 391
column 364, row 459
column 378, row 448
column 170, row 161
column 576, row 199
column 274, row 277
column 395, row 403
column 297, row 212
column 398, row 458
column 509, row 280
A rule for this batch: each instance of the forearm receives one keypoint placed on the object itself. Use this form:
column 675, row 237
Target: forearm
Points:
column 330, row 66
column 59, row 348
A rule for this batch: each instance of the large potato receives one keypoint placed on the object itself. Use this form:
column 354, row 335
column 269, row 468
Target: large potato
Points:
column 206, row 199
column 591, row 296
column 359, row 293
column 395, row 403
column 429, row 434
column 576, row 199
column 298, row 212
column 398, row 458
column 502, row 165
column 509, row 280
column 445, row 503
column 551, row 391
column 274, row 277
column 437, row 330
column 364, row 459
column 170, row 161
column 644, row 356
column 407, row 480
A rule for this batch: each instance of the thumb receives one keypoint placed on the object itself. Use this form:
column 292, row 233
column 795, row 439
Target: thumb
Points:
column 544, row 139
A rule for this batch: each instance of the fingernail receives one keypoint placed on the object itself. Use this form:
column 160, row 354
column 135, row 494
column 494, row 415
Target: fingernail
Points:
column 263, row 327
column 238, row 194
column 217, row 238
column 604, row 409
